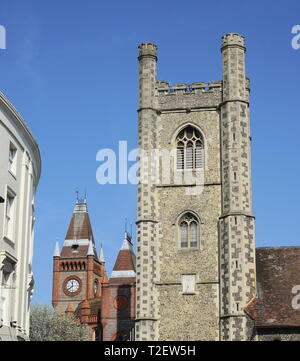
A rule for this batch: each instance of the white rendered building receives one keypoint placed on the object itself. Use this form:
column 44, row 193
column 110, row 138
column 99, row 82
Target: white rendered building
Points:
column 20, row 167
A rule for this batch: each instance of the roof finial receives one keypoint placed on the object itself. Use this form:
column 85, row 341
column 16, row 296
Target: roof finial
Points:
column 56, row 250
column 81, row 200
column 90, row 251
column 101, row 257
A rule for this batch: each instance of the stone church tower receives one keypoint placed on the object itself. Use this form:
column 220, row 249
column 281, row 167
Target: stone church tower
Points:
column 195, row 228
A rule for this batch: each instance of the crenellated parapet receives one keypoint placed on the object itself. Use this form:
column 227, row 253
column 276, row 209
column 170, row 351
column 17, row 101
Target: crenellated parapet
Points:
column 182, row 96
column 233, row 39
column 164, row 88
column 147, row 50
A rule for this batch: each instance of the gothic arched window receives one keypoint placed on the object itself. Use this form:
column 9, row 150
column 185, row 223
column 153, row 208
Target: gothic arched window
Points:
column 189, row 145
column 189, row 232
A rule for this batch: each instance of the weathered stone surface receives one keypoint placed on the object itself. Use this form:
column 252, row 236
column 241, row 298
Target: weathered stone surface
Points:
column 223, row 263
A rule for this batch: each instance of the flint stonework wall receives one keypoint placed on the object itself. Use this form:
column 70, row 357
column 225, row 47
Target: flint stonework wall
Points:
column 185, row 97
column 176, row 310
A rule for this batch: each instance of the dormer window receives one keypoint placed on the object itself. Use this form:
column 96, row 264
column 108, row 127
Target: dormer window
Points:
column 74, row 248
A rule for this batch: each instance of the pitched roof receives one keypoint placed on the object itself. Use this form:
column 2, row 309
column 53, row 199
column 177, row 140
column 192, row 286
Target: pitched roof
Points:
column 80, row 225
column 70, row 252
column 79, row 238
column 276, row 304
column 124, row 268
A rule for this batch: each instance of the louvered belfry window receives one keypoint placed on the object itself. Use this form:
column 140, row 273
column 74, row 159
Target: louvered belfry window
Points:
column 190, row 153
column 189, row 231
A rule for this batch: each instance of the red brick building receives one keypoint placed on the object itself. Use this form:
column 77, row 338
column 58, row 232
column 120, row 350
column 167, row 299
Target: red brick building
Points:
column 118, row 299
column 81, row 285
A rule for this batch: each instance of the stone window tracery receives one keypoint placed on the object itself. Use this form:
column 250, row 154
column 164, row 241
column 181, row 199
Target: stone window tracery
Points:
column 189, row 232
column 189, row 143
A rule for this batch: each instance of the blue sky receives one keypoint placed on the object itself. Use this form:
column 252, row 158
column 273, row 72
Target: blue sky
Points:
column 70, row 68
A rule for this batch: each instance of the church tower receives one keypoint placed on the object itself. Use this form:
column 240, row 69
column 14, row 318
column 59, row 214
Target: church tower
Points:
column 77, row 271
column 195, row 228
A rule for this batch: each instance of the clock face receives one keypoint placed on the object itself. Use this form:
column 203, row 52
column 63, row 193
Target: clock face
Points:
column 72, row 285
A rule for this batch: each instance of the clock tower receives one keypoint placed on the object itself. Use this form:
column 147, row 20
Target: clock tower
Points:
column 78, row 273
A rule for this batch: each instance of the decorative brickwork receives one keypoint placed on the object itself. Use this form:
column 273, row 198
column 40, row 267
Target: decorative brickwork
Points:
column 77, row 268
column 81, row 287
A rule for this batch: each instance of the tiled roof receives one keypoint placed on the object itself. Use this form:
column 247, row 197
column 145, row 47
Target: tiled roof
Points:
column 80, row 225
column 276, row 304
column 124, row 268
column 77, row 242
column 69, row 252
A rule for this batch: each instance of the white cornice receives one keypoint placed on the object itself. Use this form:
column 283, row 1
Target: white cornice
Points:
column 21, row 124
column 122, row 274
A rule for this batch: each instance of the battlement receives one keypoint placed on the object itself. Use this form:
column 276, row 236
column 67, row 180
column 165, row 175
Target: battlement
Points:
column 164, row 88
column 197, row 94
column 232, row 39
column 146, row 49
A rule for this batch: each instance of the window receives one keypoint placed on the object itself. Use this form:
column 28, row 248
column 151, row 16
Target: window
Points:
column 12, row 158
column 75, row 247
column 189, row 231
column 189, row 145
column 7, row 283
column 9, row 215
column 5, row 279
column 4, row 298
column 97, row 334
